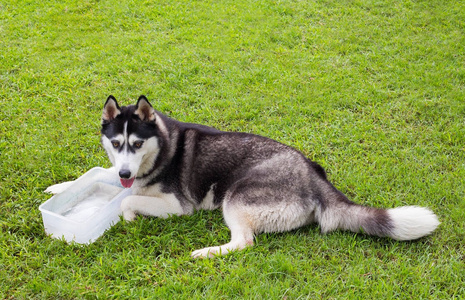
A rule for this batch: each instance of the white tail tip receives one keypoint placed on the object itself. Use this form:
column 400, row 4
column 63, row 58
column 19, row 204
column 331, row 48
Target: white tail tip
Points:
column 412, row 222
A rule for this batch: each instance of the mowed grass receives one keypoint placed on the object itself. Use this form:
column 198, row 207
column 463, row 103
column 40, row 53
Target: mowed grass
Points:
column 372, row 90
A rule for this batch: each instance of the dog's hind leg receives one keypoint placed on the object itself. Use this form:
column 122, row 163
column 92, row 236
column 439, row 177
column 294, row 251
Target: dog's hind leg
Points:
column 241, row 234
column 254, row 206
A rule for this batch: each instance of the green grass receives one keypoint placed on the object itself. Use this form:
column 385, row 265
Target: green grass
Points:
column 372, row 90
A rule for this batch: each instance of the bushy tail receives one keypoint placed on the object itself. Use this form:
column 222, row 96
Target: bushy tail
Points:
column 402, row 223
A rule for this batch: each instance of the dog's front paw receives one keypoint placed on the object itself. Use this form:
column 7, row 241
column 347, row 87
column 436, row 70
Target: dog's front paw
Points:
column 126, row 208
column 129, row 215
column 58, row 188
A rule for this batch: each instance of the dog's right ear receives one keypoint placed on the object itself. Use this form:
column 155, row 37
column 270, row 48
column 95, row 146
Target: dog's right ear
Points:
column 110, row 110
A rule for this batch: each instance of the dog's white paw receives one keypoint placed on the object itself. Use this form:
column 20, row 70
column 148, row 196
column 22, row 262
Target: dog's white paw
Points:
column 58, row 188
column 209, row 252
column 129, row 215
column 126, row 208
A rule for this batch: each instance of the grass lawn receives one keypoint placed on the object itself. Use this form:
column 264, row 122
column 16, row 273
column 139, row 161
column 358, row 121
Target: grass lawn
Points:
column 373, row 90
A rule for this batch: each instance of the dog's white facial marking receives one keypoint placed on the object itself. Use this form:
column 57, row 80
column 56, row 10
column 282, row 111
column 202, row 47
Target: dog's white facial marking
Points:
column 129, row 152
column 147, row 154
column 137, row 160
column 125, row 131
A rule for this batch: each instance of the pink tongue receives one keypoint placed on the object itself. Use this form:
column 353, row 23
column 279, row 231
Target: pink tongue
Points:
column 127, row 183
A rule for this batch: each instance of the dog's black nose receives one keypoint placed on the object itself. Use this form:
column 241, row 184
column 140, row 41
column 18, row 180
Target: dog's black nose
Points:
column 125, row 174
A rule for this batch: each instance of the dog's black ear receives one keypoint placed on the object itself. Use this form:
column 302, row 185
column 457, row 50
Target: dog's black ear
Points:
column 110, row 110
column 144, row 109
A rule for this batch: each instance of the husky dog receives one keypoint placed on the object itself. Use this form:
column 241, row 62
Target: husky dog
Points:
column 176, row 168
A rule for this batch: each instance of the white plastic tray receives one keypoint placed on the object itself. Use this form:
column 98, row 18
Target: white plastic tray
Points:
column 86, row 209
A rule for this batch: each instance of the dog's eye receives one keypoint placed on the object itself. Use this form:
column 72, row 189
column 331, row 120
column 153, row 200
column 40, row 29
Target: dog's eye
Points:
column 138, row 144
column 115, row 144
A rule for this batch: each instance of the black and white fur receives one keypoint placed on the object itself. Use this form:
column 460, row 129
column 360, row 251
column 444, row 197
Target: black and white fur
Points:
column 261, row 185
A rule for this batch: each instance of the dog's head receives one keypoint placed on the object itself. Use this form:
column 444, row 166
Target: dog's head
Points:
column 131, row 138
